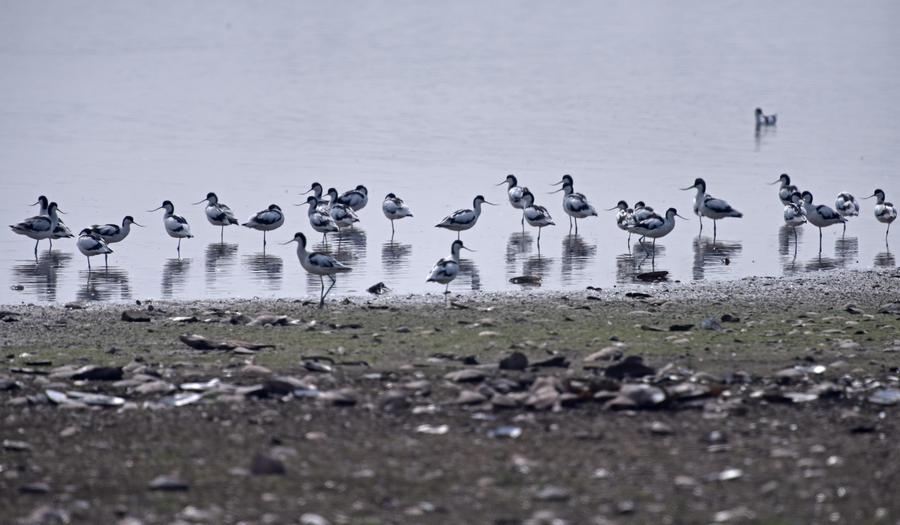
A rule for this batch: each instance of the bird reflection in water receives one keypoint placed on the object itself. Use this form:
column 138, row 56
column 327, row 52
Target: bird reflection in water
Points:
column 575, row 255
column 820, row 263
column 713, row 255
column 174, row 276
column 104, row 285
column 537, row 265
column 518, row 244
column 265, row 269
column 641, row 258
column 885, row 260
column 787, row 248
column 219, row 259
column 41, row 277
column 846, row 251
column 468, row 273
column 395, row 257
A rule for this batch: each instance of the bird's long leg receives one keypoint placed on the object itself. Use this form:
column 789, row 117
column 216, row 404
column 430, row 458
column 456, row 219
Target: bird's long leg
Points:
column 178, row 249
column 35, row 248
column 333, row 282
column 51, row 242
column 105, row 260
column 392, row 228
column 700, row 218
column 539, row 240
column 322, row 292
column 795, row 236
column 714, row 232
column 576, row 226
column 264, row 240
column 845, row 229
column 447, row 289
column 820, row 241
column 89, row 264
column 570, row 224
column 222, row 236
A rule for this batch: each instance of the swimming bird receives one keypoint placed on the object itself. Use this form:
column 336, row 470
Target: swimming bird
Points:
column 575, row 205
column 656, row 226
column 176, row 226
column 356, row 199
column 61, row 231
column 394, row 209
column 819, row 215
column 464, row 219
column 706, row 205
column 113, row 233
column 885, row 212
column 319, row 219
column 446, row 269
column 217, row 213
column 535, row 215
column 515, row 192
column 342, row 214
column 764, row 120
column 319, row 264
column 793, row 213
column 847, row 206
column 90, row 244
column 39, row 227
column 786, row 189
column 266, row 220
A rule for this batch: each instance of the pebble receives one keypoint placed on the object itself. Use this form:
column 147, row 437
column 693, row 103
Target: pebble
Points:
column 135, row 316
column 631, row 366
column 514, row 361
column 552, row 493
column 168, row 484
column 466, row 375
column 267, row 465
column 609, row 353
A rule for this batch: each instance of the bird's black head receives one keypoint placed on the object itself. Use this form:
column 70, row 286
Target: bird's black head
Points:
column 362, row 189
column 274, row 207
column 86, row 231
column 312, row 200
column 511, row 179
column 128, row 218
column 622, row 205
column 167, row 204
column 758, row 111
column 211, row 196
column 390, row 196
column 785, row 179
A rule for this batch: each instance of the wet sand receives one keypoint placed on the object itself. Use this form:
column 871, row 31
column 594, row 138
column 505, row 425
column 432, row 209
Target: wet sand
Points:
column 766, row 412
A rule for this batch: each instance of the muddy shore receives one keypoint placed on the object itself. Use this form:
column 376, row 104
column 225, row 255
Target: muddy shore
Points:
column 760, row 401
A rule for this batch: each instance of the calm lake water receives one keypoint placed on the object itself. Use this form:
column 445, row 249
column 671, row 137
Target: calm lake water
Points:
column 111, row 107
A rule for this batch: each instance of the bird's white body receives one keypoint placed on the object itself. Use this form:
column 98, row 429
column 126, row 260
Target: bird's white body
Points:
column 655, row 226
column 61, row 231
column 318, row 263
column 113, row 233
column 793, row 215
column 464, row 219
column 220, row 215
column 763, row 119
column 319, row 219
column 266, row 220
column 576, row 205
column 394, row 208
column 447, row 268
column 624, row 218
column 356, row 199
column 820, row 215
column 177, row 226
column 39, row 227
column 846, row 205
column 91, row 244
column 705, row 205
column 341, row 214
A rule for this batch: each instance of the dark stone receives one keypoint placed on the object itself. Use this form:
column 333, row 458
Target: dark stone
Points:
column 631, row 366
column 134, row 316
column 168, row 484
column 514, row 361
column 99, row 373
column 557, row 361
column 266, row 465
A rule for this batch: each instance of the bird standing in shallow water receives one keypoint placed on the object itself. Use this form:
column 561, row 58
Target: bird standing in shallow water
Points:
column 793, row 214
column 318, row 264
column 446, row 269
column 786, row 189
column 514, row 192
column 266, row 220
column 706, row 205
column 61, row 231
column 218, row 214
column 342, row 214
column 90, row 244
column 356, row 199
column 112, row 233
column 847, row 206
column 319, row 219
column 536, row 216
column 463, row 219
column 819, row 215
column 575, row 205
column 885, row 212
column 176, row 226
column 394, row 209
column 624, row 216
column 39, row 227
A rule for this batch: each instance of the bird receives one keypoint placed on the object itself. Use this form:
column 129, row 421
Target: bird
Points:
column 786, row 189
column 218, row 214
column 706, row 205
column 316, row 190
column 356, row 199
column 793, row 213
column 342, row 214
column 113, row 233
column 463, row 219
column 641, row 213
column 624, row 216
column 394, row 209
column 39, row 227
column 535, row 215
column 62, row 231
column 575, row 205
column 317, row 263
column 319, row 219
column 885, row 212
column 90, row 244
column 656, row 226
column 515, row 192
column 176, row 226
column 266, row 220
column 764, row 120
column 446, row 269
column 847, row 206
column 819, row 215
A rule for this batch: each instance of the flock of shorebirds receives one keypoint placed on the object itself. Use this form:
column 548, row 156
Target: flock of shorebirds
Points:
column 338, row 211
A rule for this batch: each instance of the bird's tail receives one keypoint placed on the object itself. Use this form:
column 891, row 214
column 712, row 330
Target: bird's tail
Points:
column 247, row 224
column 736, row 214
column 232, row 221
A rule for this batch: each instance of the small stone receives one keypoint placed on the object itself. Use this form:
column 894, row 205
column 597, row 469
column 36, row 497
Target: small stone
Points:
column 435, row 430
column 135, row 316
column 660, row 429
column 885, row 396
column 15, row 446
column 505, row 432
column 552, row 493
column 680, row 327
column 710, row 323
column 514, row 361
column 470, row 397
column 168, row 484
column 728, row 318
column 98, row 373
column 631, row 366
column 266, row 465
column 35, row 488
column 853, row 309
column 313, row 519
column 466, row 375
column 339, row 397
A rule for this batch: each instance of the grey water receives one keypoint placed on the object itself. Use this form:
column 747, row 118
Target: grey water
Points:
column 111, row 107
